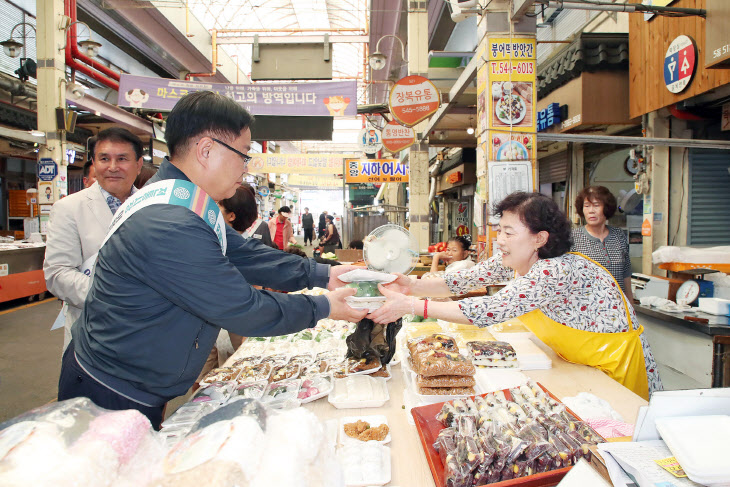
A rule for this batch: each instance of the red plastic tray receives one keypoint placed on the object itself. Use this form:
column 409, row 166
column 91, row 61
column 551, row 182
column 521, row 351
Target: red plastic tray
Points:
column 428, row 429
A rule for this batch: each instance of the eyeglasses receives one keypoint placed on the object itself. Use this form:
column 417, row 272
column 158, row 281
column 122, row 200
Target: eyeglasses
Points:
column 246, row 158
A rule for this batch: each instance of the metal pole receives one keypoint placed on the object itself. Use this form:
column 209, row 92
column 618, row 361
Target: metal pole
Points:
column 617, row 139
column 628, row 7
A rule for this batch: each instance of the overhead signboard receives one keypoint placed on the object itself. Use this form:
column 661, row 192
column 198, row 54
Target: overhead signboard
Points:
column 717, row 34
column 314, row 181
column 324, row 98
column 511, row 84
column 680, row 63
column 298, row 163
column 396, row 137
column 369, row 140
column 376, row 171
column 413, row 99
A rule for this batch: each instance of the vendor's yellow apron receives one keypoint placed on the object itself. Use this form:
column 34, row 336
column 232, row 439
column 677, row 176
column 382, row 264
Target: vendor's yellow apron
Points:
column 620, row 355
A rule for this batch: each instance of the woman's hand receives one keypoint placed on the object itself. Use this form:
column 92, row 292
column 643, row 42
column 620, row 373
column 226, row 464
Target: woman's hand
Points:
column 403, row 285
column 442, row 256
column 395, row 306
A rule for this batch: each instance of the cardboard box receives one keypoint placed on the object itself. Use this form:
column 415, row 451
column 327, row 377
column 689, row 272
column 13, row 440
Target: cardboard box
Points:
column 348, row 255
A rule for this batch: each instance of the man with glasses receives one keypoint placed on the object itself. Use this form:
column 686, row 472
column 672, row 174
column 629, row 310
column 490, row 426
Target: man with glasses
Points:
column 171, row 273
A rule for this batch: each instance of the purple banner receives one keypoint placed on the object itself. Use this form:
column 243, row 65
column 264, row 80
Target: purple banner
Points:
column 322, row 98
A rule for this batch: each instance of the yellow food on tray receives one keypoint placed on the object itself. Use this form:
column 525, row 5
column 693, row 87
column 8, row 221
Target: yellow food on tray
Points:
column 510, row 326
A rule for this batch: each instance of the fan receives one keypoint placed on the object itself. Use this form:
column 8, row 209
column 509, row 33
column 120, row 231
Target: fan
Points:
column 390, row 248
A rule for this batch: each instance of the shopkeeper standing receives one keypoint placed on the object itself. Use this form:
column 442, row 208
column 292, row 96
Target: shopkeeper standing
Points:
column 171, row 273
column 571, row 303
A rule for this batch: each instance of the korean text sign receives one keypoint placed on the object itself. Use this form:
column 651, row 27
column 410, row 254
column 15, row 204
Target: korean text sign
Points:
column 376, row 171
column 335, row 98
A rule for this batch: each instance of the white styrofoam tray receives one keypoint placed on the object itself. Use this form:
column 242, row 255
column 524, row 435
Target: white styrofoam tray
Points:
column 365, row 464
column 359, row 391
column 375, row 420
column 700, row 445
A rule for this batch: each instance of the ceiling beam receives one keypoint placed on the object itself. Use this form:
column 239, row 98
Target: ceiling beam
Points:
column 110, row 112
column 310, row 39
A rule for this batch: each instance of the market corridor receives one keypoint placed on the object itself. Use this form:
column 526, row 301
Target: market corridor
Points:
column 30, row 356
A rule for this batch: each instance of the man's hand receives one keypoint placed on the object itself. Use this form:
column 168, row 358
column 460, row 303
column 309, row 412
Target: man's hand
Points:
column 396, row 305
column 335, row 272
column 339, row 309
column 403, row 285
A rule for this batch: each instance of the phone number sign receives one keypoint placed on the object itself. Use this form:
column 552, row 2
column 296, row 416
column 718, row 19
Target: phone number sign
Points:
column 680, row 64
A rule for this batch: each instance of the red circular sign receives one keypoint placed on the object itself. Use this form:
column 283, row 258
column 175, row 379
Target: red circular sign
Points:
column 396, row 137
column 412, row 99
column 462, row 230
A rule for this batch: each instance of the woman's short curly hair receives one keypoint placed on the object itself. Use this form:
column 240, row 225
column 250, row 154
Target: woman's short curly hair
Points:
column 596, row 193
column 540, row 213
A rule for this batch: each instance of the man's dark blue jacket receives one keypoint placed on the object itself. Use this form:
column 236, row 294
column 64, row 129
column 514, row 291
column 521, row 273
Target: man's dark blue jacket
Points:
column 162, row 290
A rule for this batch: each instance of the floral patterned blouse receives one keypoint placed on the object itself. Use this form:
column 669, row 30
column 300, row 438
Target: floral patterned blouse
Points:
column 569, row 289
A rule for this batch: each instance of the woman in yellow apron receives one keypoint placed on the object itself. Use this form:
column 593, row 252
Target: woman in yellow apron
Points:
column 570, row 302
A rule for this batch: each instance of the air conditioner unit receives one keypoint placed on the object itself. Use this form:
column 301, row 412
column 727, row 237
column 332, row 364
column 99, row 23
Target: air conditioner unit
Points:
column 462, row 9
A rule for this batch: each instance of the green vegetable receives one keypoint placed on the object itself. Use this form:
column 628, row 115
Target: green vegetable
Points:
column 365, row 289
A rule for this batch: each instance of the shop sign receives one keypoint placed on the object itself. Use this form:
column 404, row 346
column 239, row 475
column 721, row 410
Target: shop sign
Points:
column 512, row 147
column 646, row 228
column 549, row 116
column 511, row 83
column 413, row 99
column 297, row 163
column 456, row 177
column 322, row 98
column 369, row 140
column 264, row 191
column 47, row 169
column 313, row 181
column 680, row 64
column 376, row 171
column 462, row 230
column 396, row 137
column 717, row 33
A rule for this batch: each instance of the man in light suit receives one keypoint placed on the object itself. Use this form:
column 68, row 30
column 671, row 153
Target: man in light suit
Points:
column 79, row 222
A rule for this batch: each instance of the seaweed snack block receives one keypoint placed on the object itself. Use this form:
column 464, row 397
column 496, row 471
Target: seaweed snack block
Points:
column 493, row 354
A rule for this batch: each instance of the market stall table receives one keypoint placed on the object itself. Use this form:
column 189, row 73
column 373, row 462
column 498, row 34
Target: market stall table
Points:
column 690, row 354
column 408, row 461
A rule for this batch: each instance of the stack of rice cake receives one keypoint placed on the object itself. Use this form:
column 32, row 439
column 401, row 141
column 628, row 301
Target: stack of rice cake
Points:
column 441, row 369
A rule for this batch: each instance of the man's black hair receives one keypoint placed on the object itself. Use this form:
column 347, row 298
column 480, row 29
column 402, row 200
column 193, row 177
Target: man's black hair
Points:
column 87, row 168
column 118, row 134
column 284, row 209
column 204, row 113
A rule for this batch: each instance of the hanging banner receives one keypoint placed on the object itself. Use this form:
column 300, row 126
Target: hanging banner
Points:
column 396, row 137
column 376, row 171
column 298, row 163
column 412, row 99
column 511, row 87
column 324, row 98
column 314, row 182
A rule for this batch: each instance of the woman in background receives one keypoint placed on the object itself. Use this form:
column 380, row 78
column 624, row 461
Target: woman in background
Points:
column 240, row 209
column 456, row 256
column 604, row 244
column 331, row 239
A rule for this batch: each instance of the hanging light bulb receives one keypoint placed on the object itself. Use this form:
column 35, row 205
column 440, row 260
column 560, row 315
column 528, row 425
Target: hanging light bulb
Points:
column 470, row 130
